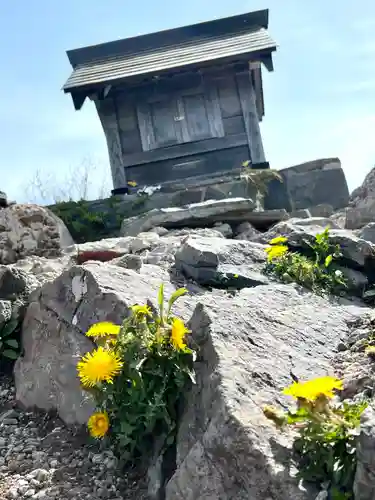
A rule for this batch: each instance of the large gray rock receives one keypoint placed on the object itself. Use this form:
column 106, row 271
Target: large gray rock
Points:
column 59, row 314
column 368, row 232
column 361, row 209
column 311, row 183
column 250, row 345
column 222, row 263
column 231, row 210
column 27, row 230
column 322, row 210
column 364, row 484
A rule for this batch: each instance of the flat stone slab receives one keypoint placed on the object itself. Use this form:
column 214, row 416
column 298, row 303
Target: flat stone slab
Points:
column 222, row 263
column 204, row 214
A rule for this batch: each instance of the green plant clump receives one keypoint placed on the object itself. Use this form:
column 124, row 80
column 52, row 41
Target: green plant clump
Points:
column 84, row 224
column 316, row 272
column 138, row 375
column 327, row 434
column 259, row 178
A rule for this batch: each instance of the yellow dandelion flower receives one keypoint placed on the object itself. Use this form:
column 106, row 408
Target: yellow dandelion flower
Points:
column 275, row 252
column 279, row 240
column 370, row 351
column 98, row 425
column 132, row 183
column 313, row 389
column 103, row 329
column 141, row 310
column 100, row 365
column 178, row 333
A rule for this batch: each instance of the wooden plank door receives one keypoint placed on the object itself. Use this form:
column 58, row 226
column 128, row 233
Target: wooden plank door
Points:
column 158, row 124
column 201, row 115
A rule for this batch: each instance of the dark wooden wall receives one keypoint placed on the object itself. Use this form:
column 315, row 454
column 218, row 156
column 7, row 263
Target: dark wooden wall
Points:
column 232, row 145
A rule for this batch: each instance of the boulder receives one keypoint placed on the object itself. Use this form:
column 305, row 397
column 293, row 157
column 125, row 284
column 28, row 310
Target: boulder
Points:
column 53, row 339
column 368, row 232
column 361, row 209
column 27, row 230
column 339, row 218
column 322, row 210
column 245, row 231
column 357, row 370
column 250, row 346
column 310, row 184
column 15, row 288
column 41, row 268
column 364, row 484
column 205, row 214
column 222, row 263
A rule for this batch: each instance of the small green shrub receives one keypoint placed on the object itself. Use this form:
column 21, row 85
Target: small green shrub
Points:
column 327, row 434
column 138, row 375
column 84, row 224
column 315, row 271
column 259, row 178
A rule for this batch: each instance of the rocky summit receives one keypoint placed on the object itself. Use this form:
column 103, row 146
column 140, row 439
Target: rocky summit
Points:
column 254, row 335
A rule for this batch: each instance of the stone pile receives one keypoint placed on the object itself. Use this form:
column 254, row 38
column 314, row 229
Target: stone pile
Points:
column 254, row 337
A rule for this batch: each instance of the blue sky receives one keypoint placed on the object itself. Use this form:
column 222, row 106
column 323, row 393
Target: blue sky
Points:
column 320, row 100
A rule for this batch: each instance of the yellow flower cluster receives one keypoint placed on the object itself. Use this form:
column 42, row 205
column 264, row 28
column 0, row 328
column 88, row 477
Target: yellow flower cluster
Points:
column 103, row 364
column 277, row 248
column 314, row 389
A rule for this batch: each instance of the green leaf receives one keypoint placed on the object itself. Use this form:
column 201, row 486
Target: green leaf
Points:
column 9, row 327
column 175, row 295
column 170, row 440
column 328, row 260
column 12, row 343
column 126, row 429
column 9, row 353
column 161, row 301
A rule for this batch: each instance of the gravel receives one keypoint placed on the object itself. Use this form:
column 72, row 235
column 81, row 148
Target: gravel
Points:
column 41, row 459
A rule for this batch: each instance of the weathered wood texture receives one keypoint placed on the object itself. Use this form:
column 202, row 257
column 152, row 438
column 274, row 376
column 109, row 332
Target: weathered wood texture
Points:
column 108, row 117
column 165, row 131
column 189, row 166
column 250, row 114
column 128, row 124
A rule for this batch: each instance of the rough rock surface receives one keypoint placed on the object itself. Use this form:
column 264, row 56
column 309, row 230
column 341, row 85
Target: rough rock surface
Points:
column 206, row 214
column 361, row 209
column 368, row 232
column 59, row 314
column 250, row 346
column 310, row 183
column 358, row 372
column 252, row 340
column 222, row 263
column 30, row 230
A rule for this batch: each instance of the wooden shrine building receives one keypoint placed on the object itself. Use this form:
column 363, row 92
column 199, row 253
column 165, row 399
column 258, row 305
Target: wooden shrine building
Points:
column 180, row 103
